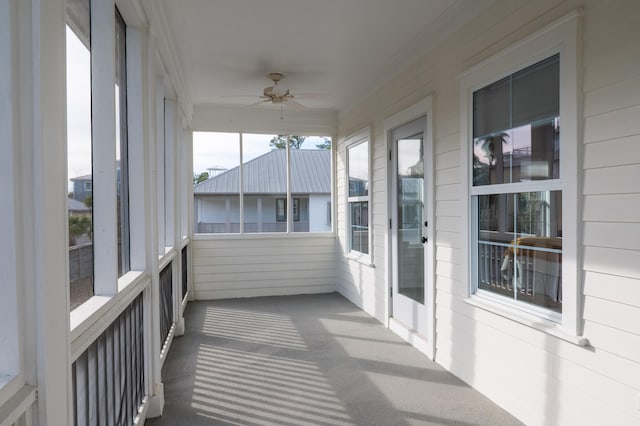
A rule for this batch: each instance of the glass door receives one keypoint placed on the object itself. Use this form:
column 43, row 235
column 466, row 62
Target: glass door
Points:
column 409, row 225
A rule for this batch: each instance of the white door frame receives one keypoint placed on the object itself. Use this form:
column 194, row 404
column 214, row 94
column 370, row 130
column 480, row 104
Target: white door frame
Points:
column 424, row 107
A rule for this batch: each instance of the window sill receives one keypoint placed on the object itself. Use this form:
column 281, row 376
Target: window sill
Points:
column 265, row 235
column 363, row 259
column 513, row 314
column 91, row 318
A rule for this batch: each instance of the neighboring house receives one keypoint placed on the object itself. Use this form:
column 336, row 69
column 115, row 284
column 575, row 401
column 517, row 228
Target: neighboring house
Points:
column 82, row 187
column 217, row 203
column 77, row 208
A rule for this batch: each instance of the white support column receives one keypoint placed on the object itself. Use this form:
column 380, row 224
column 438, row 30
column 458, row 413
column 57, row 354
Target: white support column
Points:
column 259, row 213
column 155, row 112
column 170, row 173
column 159, row 167
column 180, row 212
column 44, row 128
column 103, row 101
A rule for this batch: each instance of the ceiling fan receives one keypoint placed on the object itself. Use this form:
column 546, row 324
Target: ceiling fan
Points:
column 276, row 96
column 273, row 93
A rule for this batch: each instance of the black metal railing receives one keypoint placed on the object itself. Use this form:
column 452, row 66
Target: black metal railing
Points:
column 108, row 378
column 166, row 303
column 185, row 276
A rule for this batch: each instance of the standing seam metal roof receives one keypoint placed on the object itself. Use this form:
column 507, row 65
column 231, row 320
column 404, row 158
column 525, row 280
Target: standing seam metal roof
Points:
column 267, row 174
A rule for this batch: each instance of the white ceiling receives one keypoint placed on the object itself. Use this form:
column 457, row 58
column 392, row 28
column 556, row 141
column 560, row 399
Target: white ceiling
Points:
column 337, row 50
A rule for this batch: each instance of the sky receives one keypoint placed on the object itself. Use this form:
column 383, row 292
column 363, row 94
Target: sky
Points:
column 210, row 149
column 78, row 107
column 222, row 150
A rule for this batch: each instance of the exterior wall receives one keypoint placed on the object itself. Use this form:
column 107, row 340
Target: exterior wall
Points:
column 263, row 265
column 318, row 213
column 79, row 190
column 539, row 378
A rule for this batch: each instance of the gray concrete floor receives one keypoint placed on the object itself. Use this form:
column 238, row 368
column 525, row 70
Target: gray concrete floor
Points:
column 307, row 360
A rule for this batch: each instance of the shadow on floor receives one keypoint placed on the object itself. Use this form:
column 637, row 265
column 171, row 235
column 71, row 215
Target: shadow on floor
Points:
column 307, row 360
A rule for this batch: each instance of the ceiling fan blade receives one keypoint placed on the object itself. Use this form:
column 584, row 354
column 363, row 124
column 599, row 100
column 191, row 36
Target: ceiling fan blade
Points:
column 312, row 95
column 295, row 104
column 263, row 101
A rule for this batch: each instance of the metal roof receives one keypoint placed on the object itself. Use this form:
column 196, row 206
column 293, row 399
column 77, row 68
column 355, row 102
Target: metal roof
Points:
column 76, row 206
column 267, row 174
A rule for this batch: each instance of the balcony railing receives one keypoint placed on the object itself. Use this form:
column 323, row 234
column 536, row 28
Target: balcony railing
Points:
column 185, row 276
column 249, row 227
column 166, row 303
column 535, row 272
column 109, row 377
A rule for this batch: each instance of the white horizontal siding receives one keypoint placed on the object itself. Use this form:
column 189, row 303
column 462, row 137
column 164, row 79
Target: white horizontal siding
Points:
column 263, row 266
column 539, row 378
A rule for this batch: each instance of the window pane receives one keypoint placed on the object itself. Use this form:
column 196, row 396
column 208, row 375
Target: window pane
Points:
column 516, row 128
column 491, row 108
column 358, row 168
column 310, row 158
column 122, row 169
column 216, row 191
column 79, row 151
column 264, row 167
column 359, row 226
column 536, row 92
column 526, row 264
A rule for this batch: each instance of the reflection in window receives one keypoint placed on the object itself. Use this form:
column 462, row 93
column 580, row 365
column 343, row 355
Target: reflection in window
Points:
column 520, row 246
column 79, row 151
column 516, row 131
column 358, row 197
column 516, row 138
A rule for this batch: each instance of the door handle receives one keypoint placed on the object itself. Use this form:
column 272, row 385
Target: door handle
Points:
column 424, row 239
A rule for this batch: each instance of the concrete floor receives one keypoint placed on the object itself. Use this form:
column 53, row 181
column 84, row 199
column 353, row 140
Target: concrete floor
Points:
column 307, row 360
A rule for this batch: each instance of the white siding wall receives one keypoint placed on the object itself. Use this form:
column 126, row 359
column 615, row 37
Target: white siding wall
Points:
column 318, row 205
column 263, row 266
column 537, row 377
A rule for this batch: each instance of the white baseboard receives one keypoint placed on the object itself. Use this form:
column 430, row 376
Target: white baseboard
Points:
column 410, row 336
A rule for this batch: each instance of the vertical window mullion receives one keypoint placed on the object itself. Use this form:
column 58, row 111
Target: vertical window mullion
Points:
column 289, row 203
column 241, row 183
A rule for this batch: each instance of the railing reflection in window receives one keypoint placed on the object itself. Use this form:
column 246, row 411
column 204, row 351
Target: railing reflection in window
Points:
column 166, row 303
column 108, row 378
column 536, row 273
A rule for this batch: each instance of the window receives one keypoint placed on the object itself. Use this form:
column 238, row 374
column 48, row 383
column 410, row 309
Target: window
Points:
column 79, row 151
column 358, row 196
column 253, row 198
column 9, row 325
column 122, row 169
column 97, row 150
column 281, row 210
column 521, row 145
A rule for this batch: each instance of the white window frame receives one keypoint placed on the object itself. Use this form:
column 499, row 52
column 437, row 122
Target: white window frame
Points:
column 289, row 206
column 88, row 186
column 358, row 138
column 561, row 37
column 10, row 351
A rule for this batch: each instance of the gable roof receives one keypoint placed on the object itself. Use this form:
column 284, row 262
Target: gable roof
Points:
column 76, row 206
column 267, row 174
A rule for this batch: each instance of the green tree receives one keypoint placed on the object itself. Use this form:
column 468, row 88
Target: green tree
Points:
column 280, row 141
column 88, row 201
column 78, row 226
column 197, row 178
column 326, row 144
